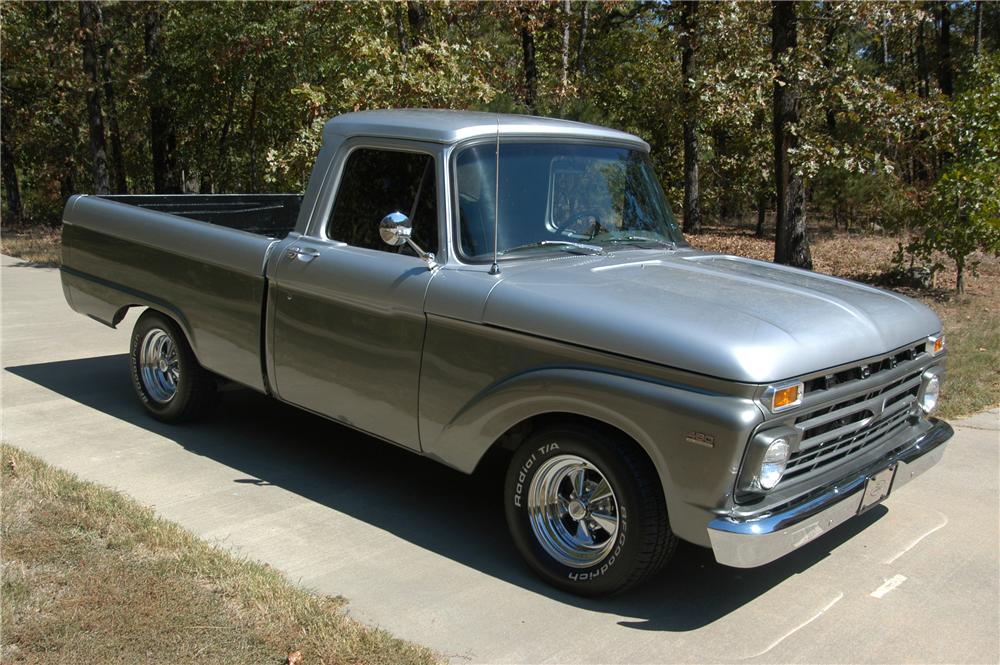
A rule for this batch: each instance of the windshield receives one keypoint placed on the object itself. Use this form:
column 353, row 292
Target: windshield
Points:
column 560, row 196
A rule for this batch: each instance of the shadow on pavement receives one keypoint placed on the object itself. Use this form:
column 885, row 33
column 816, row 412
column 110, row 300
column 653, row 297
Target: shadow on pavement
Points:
column 417, row 499
column 25, row 263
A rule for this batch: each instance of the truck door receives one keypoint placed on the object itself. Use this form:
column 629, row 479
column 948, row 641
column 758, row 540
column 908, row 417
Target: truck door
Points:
column 347, row 311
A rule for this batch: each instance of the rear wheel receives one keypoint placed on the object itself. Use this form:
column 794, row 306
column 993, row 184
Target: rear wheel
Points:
column 166, row 375
column 586, row 510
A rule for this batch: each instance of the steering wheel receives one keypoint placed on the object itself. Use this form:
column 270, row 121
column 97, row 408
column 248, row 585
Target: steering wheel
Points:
column 584, row 223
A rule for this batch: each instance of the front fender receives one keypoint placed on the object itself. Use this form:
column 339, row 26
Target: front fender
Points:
column 694, row 438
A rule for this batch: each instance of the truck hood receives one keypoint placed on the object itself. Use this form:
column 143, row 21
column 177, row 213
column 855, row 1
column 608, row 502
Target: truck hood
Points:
column 723, row 316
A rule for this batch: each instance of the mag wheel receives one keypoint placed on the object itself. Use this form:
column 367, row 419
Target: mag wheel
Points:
column 165, row 373
column 573, row 511
column 586, row 510
column 159, row 365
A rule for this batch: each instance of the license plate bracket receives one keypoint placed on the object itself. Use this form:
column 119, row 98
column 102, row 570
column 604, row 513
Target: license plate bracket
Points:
column 877, row 488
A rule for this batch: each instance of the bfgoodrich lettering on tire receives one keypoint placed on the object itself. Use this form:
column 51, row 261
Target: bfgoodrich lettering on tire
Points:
column 165, row 374
column 586, row 510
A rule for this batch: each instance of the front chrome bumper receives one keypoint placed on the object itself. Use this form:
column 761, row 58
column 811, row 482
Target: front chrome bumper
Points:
column 745, row 543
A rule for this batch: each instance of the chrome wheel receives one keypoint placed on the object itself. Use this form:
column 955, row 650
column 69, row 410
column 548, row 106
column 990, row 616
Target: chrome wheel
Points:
column 159, row 366
column 573, row 511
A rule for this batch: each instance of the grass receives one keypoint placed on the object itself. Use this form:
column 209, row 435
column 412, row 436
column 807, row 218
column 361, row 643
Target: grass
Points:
column 90, row 576
column 38, row 245
column 972, row 326
column 971, row 322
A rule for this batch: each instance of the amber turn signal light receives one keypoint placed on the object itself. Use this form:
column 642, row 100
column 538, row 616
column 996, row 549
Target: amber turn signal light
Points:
column 785, row 397
column 936, row 344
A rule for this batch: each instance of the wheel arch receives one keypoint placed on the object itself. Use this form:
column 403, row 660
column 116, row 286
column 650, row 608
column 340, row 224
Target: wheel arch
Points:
column 171, row 313
column 516, row 434
column 497, row 420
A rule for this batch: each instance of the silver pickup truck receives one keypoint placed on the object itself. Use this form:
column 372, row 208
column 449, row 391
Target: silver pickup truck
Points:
column 461, row 284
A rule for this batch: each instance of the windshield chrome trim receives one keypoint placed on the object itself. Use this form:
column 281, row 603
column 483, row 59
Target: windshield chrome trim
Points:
column 558, row 244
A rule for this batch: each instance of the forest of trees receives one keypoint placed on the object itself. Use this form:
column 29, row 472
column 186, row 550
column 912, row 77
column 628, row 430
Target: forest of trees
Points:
column 862, row 114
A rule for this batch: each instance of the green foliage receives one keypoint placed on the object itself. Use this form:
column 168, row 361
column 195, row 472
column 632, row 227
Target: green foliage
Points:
column 250, row 84
column 961, row 213
column 46, row 111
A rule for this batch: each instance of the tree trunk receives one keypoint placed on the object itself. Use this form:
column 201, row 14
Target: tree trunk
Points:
column 884, row 44
column 921, row 173
column 977, row 44
column 791, row 245
column 51, row 26
column 829, row 36
column 761, row 214
column 253, row 137
column 566, row 9
column 404, row 44
column 584, row 26
column 89, row 17
column 162, row 136
column 689, row 73
column 944, row 50
column 67, row 179
column 117, row 158
column 923, row 70
column 222, row 170
column 720, row 140
column 65, row 155
column 530, row 68
column 827, row 59
column 416, row 14
column 11, row 187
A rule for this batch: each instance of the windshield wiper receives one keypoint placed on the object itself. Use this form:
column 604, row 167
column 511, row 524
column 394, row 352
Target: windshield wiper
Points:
column 564, row 244
column 656, row 241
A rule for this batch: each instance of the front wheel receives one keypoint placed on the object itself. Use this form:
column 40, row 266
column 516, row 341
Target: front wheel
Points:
column 166, row 375
column 586, row 510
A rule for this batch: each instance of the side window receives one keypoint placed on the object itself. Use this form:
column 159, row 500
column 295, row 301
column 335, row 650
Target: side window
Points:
column 378, row 182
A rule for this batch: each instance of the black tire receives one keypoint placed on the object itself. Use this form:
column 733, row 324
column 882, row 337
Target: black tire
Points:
column 642, row 542
column 193, row 387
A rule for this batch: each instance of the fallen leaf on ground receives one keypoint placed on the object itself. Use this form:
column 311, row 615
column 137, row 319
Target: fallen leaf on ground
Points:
column 295, row 658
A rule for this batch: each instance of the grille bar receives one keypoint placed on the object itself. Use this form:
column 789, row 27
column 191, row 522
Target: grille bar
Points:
column 861, row 371
column 865, row 417
column 857, row 422
column 858, row 401
column 819, row 456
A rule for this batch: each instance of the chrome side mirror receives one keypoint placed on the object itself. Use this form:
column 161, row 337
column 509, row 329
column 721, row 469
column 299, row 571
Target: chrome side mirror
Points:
column 395, row 229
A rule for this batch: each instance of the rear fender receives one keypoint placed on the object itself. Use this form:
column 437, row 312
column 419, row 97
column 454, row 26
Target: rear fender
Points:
column 108, row 303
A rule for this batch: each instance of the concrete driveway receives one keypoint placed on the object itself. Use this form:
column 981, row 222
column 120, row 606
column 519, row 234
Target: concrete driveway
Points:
column 422, row 551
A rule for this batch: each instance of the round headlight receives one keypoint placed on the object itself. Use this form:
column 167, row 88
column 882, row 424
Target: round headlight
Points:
column 932, row 389
column 773, row 464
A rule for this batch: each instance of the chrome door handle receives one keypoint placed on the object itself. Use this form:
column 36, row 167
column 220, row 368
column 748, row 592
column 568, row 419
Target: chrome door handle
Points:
column 304, row 254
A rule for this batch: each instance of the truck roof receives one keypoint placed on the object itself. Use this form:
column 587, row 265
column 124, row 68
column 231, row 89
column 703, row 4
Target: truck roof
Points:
column 446, row 126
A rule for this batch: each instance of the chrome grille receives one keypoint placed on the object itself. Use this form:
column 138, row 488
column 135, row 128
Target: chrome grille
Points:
column 858, row 423
column 864, row 370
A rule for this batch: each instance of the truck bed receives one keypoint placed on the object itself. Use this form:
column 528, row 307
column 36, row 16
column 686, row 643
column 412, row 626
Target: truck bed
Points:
column 201, row 258
column 272, row 215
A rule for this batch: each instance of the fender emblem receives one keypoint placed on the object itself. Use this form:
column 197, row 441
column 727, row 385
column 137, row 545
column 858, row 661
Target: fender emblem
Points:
column 700, row 439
